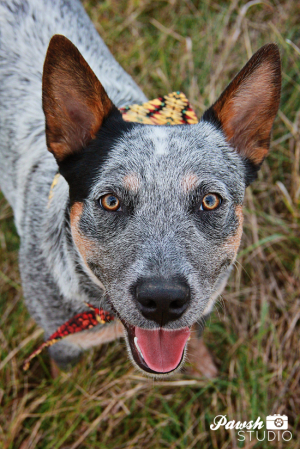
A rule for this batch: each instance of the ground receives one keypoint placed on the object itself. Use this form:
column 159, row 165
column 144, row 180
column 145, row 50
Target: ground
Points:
column 196, row 47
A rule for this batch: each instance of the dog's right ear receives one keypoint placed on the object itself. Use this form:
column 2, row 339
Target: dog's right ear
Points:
column 74, row 101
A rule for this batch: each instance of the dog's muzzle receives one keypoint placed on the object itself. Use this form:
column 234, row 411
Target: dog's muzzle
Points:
column 161, row 350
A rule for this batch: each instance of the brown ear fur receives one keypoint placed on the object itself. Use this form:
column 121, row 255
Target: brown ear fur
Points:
column 247, row 108
column 74, row 101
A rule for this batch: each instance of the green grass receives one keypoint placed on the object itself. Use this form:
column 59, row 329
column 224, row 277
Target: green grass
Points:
column 196, row 47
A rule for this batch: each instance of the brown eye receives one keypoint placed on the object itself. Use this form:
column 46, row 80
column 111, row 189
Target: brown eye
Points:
column 110, row 202
column 210, row 202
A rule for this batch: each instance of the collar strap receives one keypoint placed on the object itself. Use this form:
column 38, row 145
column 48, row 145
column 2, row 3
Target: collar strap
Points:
column 171, row 109
column 80, row 322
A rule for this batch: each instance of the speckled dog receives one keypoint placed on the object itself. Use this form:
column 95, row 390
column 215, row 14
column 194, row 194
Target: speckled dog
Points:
column 145, row 221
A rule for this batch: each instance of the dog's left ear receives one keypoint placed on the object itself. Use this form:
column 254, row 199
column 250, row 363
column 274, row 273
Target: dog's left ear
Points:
column 74, row 101
column 247, row 108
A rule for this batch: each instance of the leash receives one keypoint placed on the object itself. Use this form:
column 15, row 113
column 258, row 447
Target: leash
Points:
column 171, row 109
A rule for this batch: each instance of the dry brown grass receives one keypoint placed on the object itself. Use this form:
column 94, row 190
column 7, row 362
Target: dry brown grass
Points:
column 194, row 46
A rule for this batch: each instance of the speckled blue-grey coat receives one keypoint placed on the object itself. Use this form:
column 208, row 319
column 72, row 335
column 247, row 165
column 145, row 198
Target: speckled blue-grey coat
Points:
column 178, row 189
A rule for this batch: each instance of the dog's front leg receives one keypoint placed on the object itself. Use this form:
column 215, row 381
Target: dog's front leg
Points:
column 54, row 368
column 199, row 357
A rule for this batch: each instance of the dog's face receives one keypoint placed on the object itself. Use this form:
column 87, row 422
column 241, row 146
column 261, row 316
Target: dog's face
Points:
column 156, row 211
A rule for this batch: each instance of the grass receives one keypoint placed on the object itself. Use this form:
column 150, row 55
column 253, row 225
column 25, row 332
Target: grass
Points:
column 196, row 47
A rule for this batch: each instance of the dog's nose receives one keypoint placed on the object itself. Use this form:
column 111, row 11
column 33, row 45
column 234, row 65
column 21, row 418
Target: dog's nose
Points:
column 162, row 300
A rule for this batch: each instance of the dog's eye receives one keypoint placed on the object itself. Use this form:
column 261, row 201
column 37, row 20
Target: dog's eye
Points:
column 110, row 202
column 211, row 201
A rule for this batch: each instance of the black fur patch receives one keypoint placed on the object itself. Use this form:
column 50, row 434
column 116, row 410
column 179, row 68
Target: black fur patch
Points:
column 81, row 168
column 210, row 116
column 251, row 171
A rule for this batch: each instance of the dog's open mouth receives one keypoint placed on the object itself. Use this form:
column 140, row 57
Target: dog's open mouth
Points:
column 158, row 351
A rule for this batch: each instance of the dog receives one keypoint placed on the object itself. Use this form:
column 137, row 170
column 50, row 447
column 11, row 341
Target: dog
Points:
column 143, row 220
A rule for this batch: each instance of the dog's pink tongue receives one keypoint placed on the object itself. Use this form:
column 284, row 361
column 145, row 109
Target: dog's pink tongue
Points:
column 162, row 349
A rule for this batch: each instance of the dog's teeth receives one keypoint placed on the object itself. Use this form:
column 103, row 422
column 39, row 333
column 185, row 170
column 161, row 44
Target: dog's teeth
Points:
column 137, row 347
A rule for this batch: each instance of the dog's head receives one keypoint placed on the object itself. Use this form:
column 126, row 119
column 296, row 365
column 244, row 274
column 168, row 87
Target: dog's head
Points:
column 156, row 211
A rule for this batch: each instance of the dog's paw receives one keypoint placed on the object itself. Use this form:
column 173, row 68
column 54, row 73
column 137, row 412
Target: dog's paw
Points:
column 199, row 359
